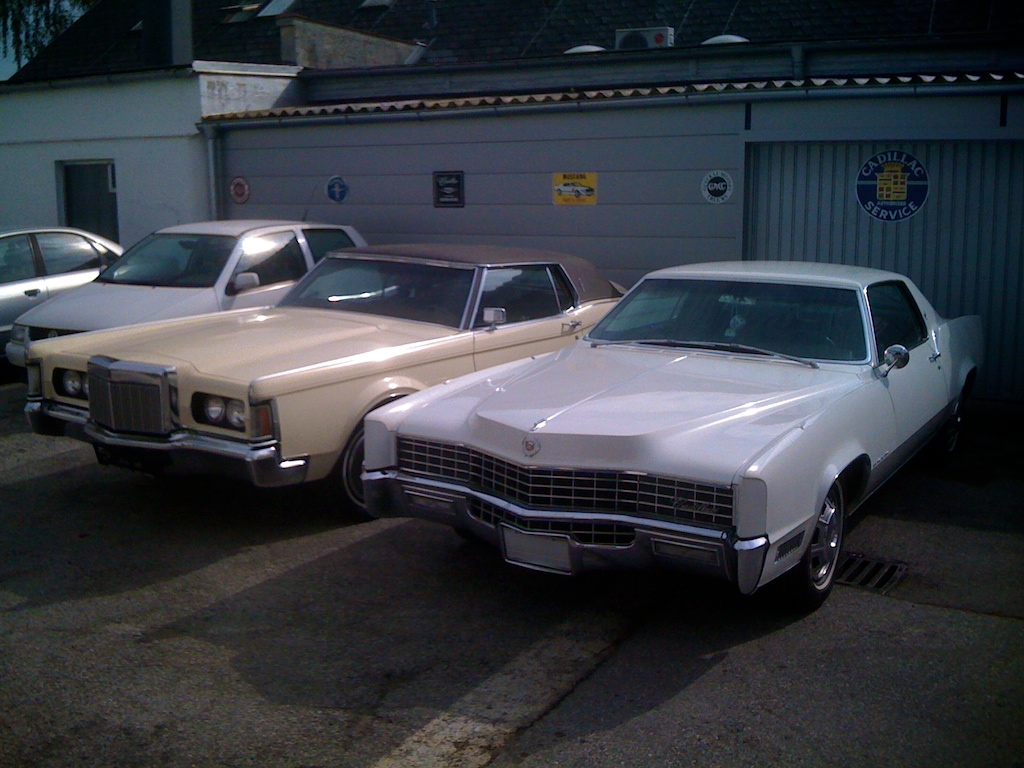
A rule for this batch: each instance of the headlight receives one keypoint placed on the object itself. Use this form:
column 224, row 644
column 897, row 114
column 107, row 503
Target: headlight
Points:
column 70, row 383
column 19, row 334
column 214, row 409
column 218, row 411
column 236, row 414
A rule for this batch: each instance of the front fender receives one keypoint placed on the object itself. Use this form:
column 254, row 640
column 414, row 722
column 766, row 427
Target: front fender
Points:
column 964, row 341
column 799, row 470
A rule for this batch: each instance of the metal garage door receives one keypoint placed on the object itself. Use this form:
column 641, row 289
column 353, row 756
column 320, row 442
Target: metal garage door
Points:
column 964, row 246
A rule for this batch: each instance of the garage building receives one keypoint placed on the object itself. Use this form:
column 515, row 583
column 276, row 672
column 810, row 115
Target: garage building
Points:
column 639, row 135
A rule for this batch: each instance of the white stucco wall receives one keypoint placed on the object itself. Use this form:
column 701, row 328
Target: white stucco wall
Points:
column 145, row 126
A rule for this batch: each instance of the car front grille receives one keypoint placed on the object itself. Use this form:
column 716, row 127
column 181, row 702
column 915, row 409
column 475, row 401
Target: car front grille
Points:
column 590, row 533
column 127, row 397
column 578, row 490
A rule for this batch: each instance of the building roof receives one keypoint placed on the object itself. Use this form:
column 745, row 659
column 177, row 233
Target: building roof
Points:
column 118, row 36
column 747, row 90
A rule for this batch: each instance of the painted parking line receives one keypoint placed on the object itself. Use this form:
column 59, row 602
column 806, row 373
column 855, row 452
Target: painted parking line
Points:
column 476, row 726
column 157, row 605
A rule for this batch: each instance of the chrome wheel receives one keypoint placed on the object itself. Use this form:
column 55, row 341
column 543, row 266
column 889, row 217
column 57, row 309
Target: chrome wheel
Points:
column 951, row 429
column 809, row 583
column 826, row 542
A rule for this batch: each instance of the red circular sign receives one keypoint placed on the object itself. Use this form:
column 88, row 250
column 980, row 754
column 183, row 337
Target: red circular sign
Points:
column 239, row 189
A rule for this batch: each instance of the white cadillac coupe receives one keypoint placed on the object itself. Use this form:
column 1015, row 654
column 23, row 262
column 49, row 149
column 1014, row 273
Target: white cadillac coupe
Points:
column 723, row 418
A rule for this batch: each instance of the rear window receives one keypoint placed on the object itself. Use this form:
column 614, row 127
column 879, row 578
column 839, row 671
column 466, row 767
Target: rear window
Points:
column 323, row 241
column 68, row 252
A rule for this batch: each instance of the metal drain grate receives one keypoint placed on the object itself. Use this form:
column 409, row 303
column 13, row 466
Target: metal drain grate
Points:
column 877, row 575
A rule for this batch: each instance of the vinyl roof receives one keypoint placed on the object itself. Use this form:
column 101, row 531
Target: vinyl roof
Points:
column 589, row 282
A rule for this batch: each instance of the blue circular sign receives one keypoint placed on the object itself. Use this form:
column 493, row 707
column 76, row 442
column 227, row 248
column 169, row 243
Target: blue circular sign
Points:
column 336, row 189
column 892, row 185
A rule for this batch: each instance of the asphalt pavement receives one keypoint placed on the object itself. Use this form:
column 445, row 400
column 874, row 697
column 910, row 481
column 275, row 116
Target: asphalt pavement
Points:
column 200, row 623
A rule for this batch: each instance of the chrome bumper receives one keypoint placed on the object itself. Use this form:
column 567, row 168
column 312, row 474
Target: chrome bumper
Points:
column 181, row 451
column 535, row 539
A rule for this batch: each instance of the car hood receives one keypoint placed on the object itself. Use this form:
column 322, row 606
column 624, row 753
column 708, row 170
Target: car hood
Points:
column 106, row 305
column 704, row 415
column 245, row 345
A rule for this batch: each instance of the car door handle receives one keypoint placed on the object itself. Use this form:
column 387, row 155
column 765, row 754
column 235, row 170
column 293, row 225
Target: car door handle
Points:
column 571, row 326
column 933, row 358
column 33, row 292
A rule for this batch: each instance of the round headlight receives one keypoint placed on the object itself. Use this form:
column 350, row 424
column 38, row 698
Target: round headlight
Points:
column 71, row 381
column 236, row 414
column 214, row 408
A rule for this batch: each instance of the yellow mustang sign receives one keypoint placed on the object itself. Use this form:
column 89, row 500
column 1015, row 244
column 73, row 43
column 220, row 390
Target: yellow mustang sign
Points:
column 574, row 188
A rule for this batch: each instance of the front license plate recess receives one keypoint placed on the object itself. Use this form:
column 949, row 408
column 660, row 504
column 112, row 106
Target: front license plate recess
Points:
column 549, row 552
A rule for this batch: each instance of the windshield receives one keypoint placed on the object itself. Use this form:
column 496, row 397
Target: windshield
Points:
column 172, row 260
column 797, row 320
column 425, row 292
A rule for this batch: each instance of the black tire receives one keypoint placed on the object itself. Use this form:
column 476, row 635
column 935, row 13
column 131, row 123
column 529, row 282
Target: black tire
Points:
column 347, row 473
column 349, row 469
column 948, row 437
column 810, row 582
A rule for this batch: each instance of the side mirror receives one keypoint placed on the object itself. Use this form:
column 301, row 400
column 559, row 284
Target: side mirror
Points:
column 494, row 316
column 243, row 281
column 896, row 356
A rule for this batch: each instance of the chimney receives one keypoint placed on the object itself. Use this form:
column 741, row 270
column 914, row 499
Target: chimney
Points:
column 166, row 32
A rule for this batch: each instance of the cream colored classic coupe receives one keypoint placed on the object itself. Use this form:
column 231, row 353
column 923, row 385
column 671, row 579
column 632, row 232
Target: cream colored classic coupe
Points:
column 723, row 418
column 278, row 395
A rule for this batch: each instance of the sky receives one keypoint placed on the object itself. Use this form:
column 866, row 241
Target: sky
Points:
column 7, row 65
column 7, row 68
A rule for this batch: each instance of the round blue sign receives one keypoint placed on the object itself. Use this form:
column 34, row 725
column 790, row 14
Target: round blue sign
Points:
column 336, row 189
column 892, row 185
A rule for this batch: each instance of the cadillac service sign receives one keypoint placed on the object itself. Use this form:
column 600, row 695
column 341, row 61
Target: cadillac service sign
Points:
column 892, row 185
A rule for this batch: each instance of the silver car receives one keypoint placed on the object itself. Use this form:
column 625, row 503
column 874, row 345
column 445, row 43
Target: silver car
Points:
column 36, row 264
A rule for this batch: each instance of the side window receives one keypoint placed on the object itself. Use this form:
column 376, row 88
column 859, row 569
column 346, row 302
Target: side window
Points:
column 323, row 241
column 65, row 252
column 525, row 293
column 275, row 258
column 895, row 316
column 563, row 290
column 16, row 262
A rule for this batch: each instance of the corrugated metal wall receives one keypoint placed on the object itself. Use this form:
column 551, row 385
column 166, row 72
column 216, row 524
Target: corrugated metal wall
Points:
column 648, row 165
column 964, row 248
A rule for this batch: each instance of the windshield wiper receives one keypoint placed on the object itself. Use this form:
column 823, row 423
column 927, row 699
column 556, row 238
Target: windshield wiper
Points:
column 620, row 342
column 717, row 346
column 748, row 349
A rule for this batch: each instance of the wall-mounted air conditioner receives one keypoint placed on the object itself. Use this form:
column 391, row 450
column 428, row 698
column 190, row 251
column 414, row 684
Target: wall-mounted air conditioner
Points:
column 644, row 37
